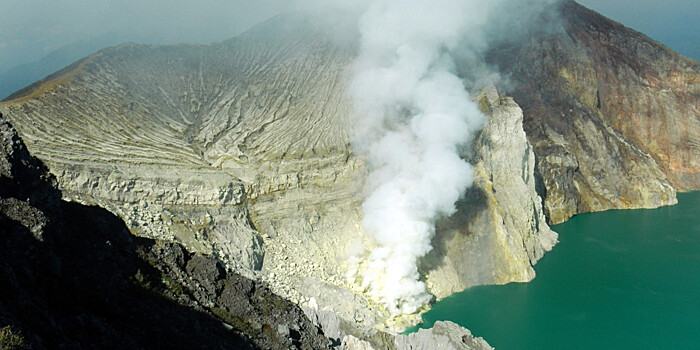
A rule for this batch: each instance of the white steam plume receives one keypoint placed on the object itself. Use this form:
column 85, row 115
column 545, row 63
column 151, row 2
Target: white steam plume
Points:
column 415, row 116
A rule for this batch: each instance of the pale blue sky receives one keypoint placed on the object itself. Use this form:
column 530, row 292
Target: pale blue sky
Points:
column 676, row 23
column 29, row 29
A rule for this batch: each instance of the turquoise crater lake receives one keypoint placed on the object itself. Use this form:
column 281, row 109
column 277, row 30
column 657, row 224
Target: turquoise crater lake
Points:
column 621, row 279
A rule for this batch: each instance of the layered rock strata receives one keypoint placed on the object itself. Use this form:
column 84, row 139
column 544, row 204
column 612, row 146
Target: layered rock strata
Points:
column 111, row 290
column 499, row 230
column 612, row 114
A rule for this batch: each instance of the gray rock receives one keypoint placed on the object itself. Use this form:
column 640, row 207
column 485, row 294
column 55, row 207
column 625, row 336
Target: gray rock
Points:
column 74, row 277
column 443, row 336
column 279, row 200
column 353, row 343
column 499, row 226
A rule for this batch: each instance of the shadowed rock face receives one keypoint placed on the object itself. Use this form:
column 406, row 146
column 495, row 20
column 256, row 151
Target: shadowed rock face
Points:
column 73, row 277
column 499, row 231
column 240, row 150
column 613, row 115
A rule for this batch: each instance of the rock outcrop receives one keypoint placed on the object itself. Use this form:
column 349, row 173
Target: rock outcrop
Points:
column 443, row 335
column 613, row 115
column 499, row 231
column 73, row 277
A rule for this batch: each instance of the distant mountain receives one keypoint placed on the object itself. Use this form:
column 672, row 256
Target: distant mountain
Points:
column 22, row 75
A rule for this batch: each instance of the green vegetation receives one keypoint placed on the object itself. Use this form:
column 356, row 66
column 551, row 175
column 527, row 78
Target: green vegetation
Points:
column 271, row 302
column 173, row 287
column 239, row 323
column 152, row 285
column 9, row 340
column 139, row 280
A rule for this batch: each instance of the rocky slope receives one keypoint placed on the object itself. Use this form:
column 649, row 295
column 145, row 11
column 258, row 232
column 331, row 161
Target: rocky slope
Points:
column 443, row 335
column 613, row 115
column 241, row 150
column 73, row 277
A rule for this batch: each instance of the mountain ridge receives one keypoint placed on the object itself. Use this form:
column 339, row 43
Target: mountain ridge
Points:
column 607, row 79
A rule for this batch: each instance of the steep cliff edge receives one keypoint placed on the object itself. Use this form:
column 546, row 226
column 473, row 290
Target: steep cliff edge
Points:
column 613, row 115
column 499, row 231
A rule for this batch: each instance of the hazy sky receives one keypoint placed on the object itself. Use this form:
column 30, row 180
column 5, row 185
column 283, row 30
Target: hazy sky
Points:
column 676, row 23
column 29, row 29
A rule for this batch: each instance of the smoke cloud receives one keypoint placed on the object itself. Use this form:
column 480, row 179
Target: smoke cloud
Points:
column 415, row 116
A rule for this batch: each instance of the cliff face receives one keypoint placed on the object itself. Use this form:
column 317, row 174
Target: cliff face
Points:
column 499, row 231
column 182, row 141
column 241, row 150
column 73, row 277
column 613, row 115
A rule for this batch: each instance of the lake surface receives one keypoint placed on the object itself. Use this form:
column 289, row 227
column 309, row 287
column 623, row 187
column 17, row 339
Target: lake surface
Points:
column 621, row 279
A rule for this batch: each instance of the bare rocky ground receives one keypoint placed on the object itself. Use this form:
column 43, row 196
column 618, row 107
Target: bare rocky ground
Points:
column 245, row 156
column 74, row 277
